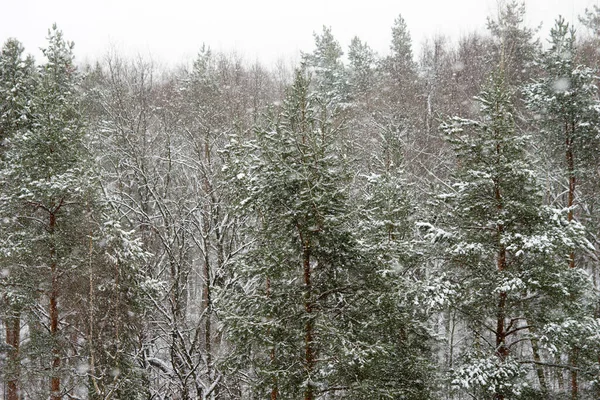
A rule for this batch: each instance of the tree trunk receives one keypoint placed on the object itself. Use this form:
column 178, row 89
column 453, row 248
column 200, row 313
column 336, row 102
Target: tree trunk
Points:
column 501, row 348
column 54, row 293
column 574, row 383
column 274, row 389
column 13, row 340
column 571, row 194
column 206, row 299
column 309, row 327
column 570, row 202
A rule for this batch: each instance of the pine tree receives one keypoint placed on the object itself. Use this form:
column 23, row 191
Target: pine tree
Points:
column 16, row 95
column 313, row 316
column 62, row 241
column 401, row 62
column 515, row 45
column 399, row 86
column 504, row 249
column 361, row 71
column 565, row 103
column 329, row 71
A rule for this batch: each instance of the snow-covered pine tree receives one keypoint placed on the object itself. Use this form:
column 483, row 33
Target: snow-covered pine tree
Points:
column 400, row 321
column 361, row 71
column 566, row 106
column 330, row 75
column 399, row 86
column 63, row 245
column 313, row 314
column 567, row 110
column 514, row 43
column 16, row 89
column 504, row 249
column 16, row 96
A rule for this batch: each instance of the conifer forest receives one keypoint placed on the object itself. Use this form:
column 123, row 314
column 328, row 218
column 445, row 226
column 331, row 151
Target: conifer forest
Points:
column 420, row 225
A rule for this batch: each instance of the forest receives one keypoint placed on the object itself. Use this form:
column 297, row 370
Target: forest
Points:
column 354, row 226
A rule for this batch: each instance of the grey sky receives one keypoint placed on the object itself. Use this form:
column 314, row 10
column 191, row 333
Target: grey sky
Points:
column 173, row 31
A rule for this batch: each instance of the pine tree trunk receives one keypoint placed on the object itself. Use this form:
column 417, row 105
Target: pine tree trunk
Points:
column 54, row 293
column 501, row 349
column 308, row 330
column 274, row 389
column 570, row 202
column 572, row 181
column 13, row 340
column 574, row 383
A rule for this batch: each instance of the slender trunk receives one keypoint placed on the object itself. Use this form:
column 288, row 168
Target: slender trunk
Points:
column 560, row 378
column 309, row 327
column 94, row 391
column 54, row 293
column 571, row 194
column 177, row 345
column 274, row 389
column 13, row 340
column 206, row 299
column 501, row 348
column 574, row 383
column 570, row 202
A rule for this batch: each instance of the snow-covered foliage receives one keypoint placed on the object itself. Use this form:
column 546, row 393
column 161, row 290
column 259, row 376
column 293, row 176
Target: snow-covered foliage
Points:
column 192, row 233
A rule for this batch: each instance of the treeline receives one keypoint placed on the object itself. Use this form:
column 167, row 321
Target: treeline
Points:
column 367, row 227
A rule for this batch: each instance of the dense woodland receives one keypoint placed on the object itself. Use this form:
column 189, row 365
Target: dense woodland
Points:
column 357, row 226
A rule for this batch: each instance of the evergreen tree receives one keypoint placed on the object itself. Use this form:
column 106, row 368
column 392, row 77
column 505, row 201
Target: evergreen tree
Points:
column 16, row 98
column 60, row 241
column 16, row 89
column 313, row 316
column 401, row 62
column 515, row 45
column 329, row 72
column 565, row 103
column 361, row 70
column 505, row 250
column 399, row 86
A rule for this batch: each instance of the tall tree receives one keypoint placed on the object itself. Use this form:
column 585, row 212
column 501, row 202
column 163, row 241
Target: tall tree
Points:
column 565, row 101
column 505, row 250
column 16, row 108
column 46, row 161
column 311, row 315
column 361, row 71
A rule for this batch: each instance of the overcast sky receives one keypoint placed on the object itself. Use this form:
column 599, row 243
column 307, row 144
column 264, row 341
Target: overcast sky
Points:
column 172, row 31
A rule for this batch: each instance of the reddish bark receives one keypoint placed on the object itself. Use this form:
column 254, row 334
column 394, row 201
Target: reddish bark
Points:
column 54, row 293
column 501, row 348
column 309, row 328
column 274, row 389
column 13, row 339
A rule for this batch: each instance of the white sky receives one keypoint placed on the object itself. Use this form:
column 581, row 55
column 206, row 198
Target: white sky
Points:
column 172, row 31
